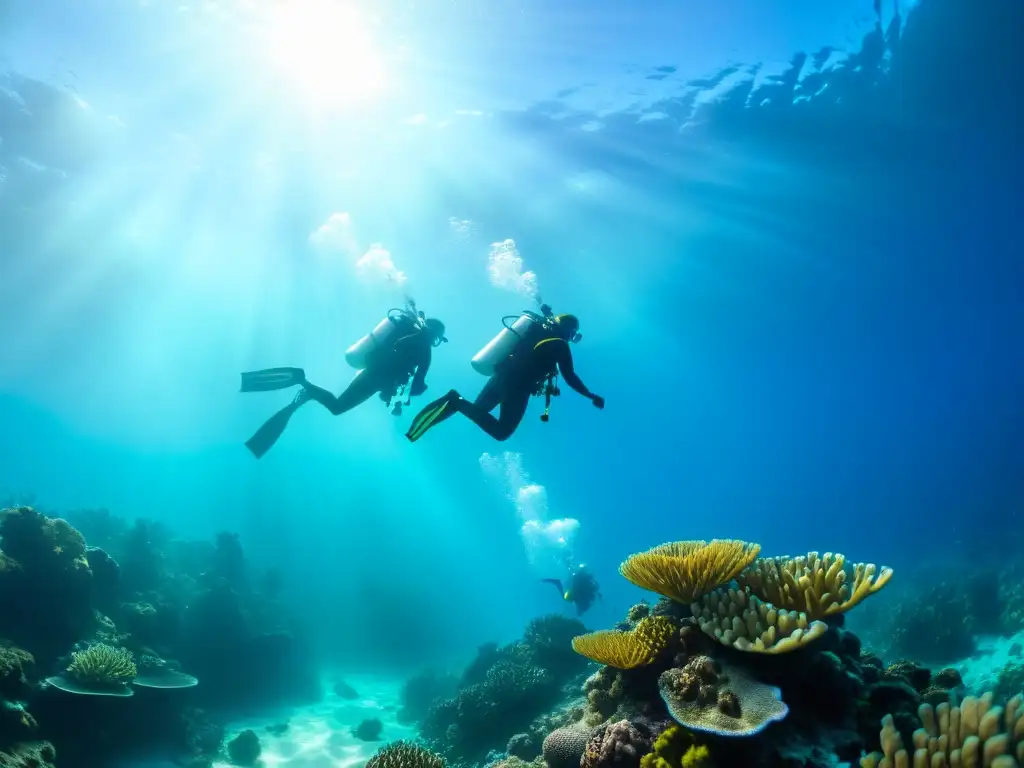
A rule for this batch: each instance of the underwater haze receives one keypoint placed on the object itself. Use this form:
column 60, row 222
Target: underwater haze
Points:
column 790, row 232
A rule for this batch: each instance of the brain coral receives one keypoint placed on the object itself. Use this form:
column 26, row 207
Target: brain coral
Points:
column 564, row 747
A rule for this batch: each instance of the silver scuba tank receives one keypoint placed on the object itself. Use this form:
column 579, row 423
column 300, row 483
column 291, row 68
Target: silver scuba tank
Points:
column 504, row 344
column 381, row 337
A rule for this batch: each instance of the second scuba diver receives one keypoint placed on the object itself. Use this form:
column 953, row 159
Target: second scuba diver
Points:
column 397, row 350
column 521, row 361
column 582, row 590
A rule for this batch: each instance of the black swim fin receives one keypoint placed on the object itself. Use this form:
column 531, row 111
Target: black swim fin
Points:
column 557, row 583
column 271, row 379
column 265, row 437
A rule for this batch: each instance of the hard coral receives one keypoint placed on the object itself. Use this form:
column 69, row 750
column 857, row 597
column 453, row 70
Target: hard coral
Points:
column 38, row 542
column 14, row 664
column 747, row 623
column 704, row 696
column 676, row 748
column 816, row 585
column 40, row 754
column 627, row 650
column 685, row 570
column 975, row 733
column 102, row 664
column 620, row 744
column 564, row 747
column 403, row 754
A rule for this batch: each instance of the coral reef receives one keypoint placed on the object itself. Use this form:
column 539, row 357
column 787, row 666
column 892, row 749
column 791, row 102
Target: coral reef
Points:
column 685, row 570
column 747, row 623
column 403, row 754
column 134, row 625
column 564, row 747
column 676, row 748
column 814, row 585
column 620, row 744
column 702, row 696
column 975, row 733
column 629, row 649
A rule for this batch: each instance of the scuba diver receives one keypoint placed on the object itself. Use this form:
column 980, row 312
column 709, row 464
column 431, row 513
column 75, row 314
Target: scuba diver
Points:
column 392, row 358
column 582, row 591
column 523, row 360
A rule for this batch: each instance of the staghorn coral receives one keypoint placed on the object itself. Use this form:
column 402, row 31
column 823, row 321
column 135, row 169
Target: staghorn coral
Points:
column 630, row 649
column 405, row 754
column 685, row 570
column 743, row 621
column 564, row 747
column 676, row 748
column 102, row 664
column 619, row 744
column 974, row 734
column 816, row 585
column 704, row 696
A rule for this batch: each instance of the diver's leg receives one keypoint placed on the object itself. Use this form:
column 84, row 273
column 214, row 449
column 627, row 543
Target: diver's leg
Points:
column 513, row 407
column 447, row 406
column 490, row 395
column 361, row 389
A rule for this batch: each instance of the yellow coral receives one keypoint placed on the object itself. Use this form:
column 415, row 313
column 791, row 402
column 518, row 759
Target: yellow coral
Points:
column 741, row 620
column 675, row 748
column 627, row 650
column 697, row 756
column 685, row 570
column 813, row 584
column 973, row 734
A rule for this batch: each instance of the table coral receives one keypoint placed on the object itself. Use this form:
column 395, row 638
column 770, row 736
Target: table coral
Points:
column 685, row 570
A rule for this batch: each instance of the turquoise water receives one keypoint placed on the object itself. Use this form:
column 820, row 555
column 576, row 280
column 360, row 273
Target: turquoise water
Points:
column 791, row 239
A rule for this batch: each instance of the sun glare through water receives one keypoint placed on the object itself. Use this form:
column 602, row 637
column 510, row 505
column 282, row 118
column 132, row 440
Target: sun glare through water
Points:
column 323, row 49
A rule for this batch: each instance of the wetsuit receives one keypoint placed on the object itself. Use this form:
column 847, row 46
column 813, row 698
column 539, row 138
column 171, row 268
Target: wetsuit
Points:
column 509, row 389
column 385, row 371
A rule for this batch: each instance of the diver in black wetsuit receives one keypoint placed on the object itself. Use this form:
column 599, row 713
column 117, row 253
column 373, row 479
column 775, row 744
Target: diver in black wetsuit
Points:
column 581, row 592
column 387, row 369
column 527, row 372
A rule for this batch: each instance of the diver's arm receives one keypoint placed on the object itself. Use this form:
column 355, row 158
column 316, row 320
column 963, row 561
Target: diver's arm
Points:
column 419, row 381
column 569, row 373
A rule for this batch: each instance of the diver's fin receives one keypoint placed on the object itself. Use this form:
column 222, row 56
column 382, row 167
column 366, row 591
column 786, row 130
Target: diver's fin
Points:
column 265, row 437
column 431, row 415
column 272, row 378
column 558, row 585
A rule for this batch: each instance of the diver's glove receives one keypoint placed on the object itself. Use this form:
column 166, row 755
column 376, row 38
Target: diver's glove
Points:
column 598, row 401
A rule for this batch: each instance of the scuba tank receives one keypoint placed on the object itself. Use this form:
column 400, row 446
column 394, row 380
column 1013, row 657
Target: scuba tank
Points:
column 383, row 335
column 502, row 346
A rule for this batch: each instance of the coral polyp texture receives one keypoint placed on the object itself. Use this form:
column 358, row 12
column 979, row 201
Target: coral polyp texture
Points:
column 813, row 584
column 630, row 649
column 704, row 695
column 975, row 734
column 102, row 664
column 403, row 754
column 685, row 570
column 676, row 748
column 747, row 623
